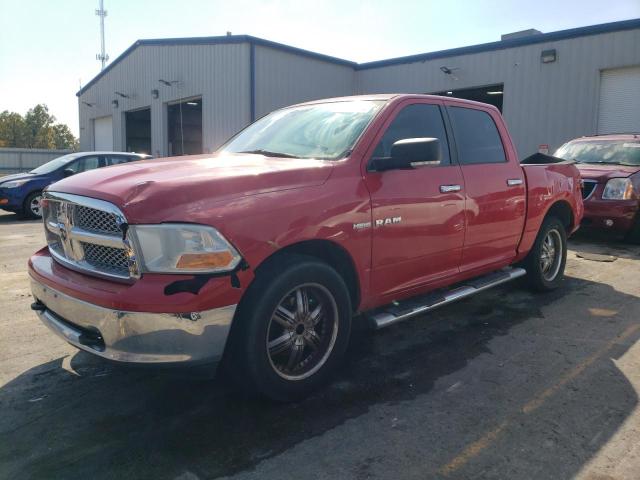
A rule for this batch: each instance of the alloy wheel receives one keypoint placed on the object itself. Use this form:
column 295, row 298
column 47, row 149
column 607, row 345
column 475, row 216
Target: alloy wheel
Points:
column 35, row 206
column 302, row 331
column 551, row 255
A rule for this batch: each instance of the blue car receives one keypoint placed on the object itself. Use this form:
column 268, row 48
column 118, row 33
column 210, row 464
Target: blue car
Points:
column 21, row 193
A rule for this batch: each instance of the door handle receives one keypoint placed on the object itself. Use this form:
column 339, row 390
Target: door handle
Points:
column 450, row 188
column 512, row 182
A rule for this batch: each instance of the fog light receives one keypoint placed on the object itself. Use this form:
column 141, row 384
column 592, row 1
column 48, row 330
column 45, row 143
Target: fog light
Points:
column 608, row 222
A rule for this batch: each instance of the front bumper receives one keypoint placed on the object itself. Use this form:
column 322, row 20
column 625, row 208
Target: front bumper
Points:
column 618, row 215
column 134, row 337
column 11, row 199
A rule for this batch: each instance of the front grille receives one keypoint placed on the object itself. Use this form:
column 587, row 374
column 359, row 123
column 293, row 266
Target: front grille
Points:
column 95, row 220
column 588, row 186
column 110, row 259
column 84, row 234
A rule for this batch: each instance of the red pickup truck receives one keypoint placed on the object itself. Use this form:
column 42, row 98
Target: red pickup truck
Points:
column 259, row 255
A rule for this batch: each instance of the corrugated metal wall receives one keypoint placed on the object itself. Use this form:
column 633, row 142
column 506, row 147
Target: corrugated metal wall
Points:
column 543, row 103
column 13, row 160
column 218, row 73
column 284, row 78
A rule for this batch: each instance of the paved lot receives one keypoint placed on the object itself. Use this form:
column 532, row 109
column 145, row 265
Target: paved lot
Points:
column 504, row 385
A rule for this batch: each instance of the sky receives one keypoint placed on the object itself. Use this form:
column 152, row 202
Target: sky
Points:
column 48, row 47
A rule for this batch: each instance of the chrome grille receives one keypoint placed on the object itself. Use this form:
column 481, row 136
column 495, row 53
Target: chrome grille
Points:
column 84, row 234
column 95, row 220
column 106, row 258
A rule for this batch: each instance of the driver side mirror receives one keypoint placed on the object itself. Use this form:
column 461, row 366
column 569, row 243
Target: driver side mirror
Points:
column 67, row 172
column 409, row 153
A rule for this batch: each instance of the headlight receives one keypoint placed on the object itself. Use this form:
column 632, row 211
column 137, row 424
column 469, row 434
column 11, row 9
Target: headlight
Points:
column 618, row 189
column 14, row 183
column 183, row 248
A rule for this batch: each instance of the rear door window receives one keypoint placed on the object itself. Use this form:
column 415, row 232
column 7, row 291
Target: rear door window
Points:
column 117, row 159
column 419, row 120
column 477, row 137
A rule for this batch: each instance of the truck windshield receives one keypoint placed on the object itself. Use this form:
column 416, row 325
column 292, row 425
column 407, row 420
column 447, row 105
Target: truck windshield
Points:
column 324, row 131
column 617, row 152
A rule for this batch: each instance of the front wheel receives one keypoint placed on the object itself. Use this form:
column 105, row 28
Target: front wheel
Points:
column 32, row 206
column 546, row 261
column 293, row 329
column 633, row 235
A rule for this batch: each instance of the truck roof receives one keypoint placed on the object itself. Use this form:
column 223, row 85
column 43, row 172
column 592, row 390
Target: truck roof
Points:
column 388, row 97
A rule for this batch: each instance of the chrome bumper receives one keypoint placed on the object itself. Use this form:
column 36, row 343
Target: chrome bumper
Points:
column 134, row 337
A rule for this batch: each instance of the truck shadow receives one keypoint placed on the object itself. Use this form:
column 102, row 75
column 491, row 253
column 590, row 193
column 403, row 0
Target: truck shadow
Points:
column 90, row 419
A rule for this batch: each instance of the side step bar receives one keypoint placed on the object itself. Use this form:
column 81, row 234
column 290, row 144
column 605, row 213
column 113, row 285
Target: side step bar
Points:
column 415, row 306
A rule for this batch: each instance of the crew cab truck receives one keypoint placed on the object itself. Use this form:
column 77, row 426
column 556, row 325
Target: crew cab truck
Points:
column 260, row 254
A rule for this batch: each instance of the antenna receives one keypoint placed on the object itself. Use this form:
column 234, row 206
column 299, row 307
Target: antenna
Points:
column 102, row 56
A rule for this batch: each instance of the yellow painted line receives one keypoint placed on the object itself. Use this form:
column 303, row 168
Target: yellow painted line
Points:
column 473, row 449
column 488, row 438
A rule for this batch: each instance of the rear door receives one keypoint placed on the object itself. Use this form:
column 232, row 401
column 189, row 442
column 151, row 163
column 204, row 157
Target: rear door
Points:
column 495, row 188
column 418, row 213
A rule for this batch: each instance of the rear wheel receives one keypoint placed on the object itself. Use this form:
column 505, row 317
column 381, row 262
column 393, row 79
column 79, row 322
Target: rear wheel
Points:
column 32, row 206
column 547, row 259
column 292, row 329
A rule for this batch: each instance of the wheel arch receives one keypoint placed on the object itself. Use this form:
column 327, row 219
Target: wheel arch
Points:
column 328, row 252
column 561, row 209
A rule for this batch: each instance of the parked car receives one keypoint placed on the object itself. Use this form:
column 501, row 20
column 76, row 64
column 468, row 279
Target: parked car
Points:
column 21, row 193
column 259, row 255
column 610, row 169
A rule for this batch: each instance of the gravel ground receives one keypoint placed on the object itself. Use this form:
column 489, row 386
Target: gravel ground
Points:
column 506, row 384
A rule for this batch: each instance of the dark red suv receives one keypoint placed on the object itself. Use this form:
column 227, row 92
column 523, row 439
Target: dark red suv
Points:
column 610, row 169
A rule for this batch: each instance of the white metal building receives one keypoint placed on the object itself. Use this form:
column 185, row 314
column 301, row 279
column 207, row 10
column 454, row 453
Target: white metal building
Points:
column 188, row 95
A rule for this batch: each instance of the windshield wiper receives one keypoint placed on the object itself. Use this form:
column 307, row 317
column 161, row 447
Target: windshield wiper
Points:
column 268, row 153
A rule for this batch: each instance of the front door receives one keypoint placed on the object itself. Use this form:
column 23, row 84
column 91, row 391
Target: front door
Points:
column 418, row 213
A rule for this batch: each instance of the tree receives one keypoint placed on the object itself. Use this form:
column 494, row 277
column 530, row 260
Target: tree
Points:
column 12, row 129
column 63, row 138
column 37, row 129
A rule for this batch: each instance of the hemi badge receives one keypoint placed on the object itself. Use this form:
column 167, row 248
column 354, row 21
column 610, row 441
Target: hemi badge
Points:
column 361, row 226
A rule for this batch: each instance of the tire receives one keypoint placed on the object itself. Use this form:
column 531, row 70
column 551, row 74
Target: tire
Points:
column 543, row 273
column 633, row 235
column 31, row 208
column 278, row 347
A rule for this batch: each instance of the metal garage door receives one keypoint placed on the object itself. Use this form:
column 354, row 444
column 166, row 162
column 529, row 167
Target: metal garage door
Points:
column 103, row 133
column 619, row 109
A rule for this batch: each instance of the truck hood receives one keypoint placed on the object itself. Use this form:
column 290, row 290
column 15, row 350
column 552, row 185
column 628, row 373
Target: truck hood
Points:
column 146, row 188
column 601, row 172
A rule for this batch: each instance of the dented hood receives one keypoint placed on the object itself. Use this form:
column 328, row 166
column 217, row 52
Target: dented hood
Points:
column 601, row 172
column 143, row 189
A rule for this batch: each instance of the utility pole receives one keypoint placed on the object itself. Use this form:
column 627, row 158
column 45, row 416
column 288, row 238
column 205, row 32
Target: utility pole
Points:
column 102, row 56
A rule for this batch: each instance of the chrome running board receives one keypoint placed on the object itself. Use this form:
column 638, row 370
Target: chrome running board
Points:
column 399, row 311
